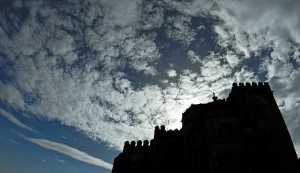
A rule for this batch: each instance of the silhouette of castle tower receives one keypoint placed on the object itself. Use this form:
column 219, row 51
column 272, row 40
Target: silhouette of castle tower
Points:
column 243, row 134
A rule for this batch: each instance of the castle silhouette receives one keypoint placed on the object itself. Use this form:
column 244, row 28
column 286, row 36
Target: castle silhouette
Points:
column 243, row 134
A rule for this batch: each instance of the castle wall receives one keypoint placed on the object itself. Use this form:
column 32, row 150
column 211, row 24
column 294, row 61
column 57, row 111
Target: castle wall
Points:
column 244, row 133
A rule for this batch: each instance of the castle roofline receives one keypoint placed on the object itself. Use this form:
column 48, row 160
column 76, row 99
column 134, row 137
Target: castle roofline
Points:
column 237, row 90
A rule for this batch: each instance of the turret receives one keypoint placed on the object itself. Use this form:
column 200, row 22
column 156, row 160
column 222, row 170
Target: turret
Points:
column 260, row 93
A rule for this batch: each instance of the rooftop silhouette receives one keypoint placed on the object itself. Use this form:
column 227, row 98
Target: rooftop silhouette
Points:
column 242, row 134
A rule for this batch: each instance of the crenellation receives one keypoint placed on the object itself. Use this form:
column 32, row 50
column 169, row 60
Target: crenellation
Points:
column 161, row 128
column 146, row 143
column 159, row 132
column 253, row 90
column 166, row 134
column 254, row 84
column 266, row 85
column 132, row 144
column 249, row 87
column 139, row 143
column 126, row 146
column 248, row 84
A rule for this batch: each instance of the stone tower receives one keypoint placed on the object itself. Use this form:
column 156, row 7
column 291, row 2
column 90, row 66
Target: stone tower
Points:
column 243, row 134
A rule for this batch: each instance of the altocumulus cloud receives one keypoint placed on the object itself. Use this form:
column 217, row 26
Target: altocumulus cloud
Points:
column 103, row 66
column 71, row 152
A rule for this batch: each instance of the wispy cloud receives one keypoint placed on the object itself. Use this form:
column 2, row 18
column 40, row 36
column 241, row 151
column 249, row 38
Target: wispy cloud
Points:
column 60, row 160
column 14, row 120
column 71, row 152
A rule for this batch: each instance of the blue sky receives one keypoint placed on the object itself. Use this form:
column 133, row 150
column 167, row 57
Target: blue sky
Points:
column 79, row 78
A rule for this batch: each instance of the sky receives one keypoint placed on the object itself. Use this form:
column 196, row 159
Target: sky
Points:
column 78, row 78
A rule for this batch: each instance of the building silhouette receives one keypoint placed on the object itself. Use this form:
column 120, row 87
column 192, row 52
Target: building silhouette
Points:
column 243, row 134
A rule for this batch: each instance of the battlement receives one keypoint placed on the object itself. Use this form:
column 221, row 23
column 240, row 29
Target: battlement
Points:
column 160, row 129
column 241, row 93
column 241, row 89
column 259, row 85
column 133, row 145
column 162, row 133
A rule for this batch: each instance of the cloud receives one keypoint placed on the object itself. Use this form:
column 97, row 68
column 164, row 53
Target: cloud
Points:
column 140, row 52
column 97, row 65
column 193, row 57
column 171, row 73
column 59, row 160
column 71, row 152
column 245, row 75
column 78, row 75
column 12, row 95
column 178, row 28
column 152, row 16
column 123, row 13
column 14, row 120
column 252, row 26
column 213, row 69
column 232, row 59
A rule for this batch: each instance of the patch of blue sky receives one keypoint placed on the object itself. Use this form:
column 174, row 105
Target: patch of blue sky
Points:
column 13, row 143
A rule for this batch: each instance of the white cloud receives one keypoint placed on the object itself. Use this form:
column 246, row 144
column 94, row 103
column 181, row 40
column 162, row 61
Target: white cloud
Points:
column 245, row 75
column 12, row 95
column 249, row 27
column 71, row 152
column 61, row 45
column 60, row 160
column 14, row 120
column 213, row 69
column 122, row 13
column 140, row 53
column 86, row 92
column 178, row 28
column 152, row 16
column 193, row 8
column 277, row 68
column 232, row 59
column 193, row 57
column 171, row 73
